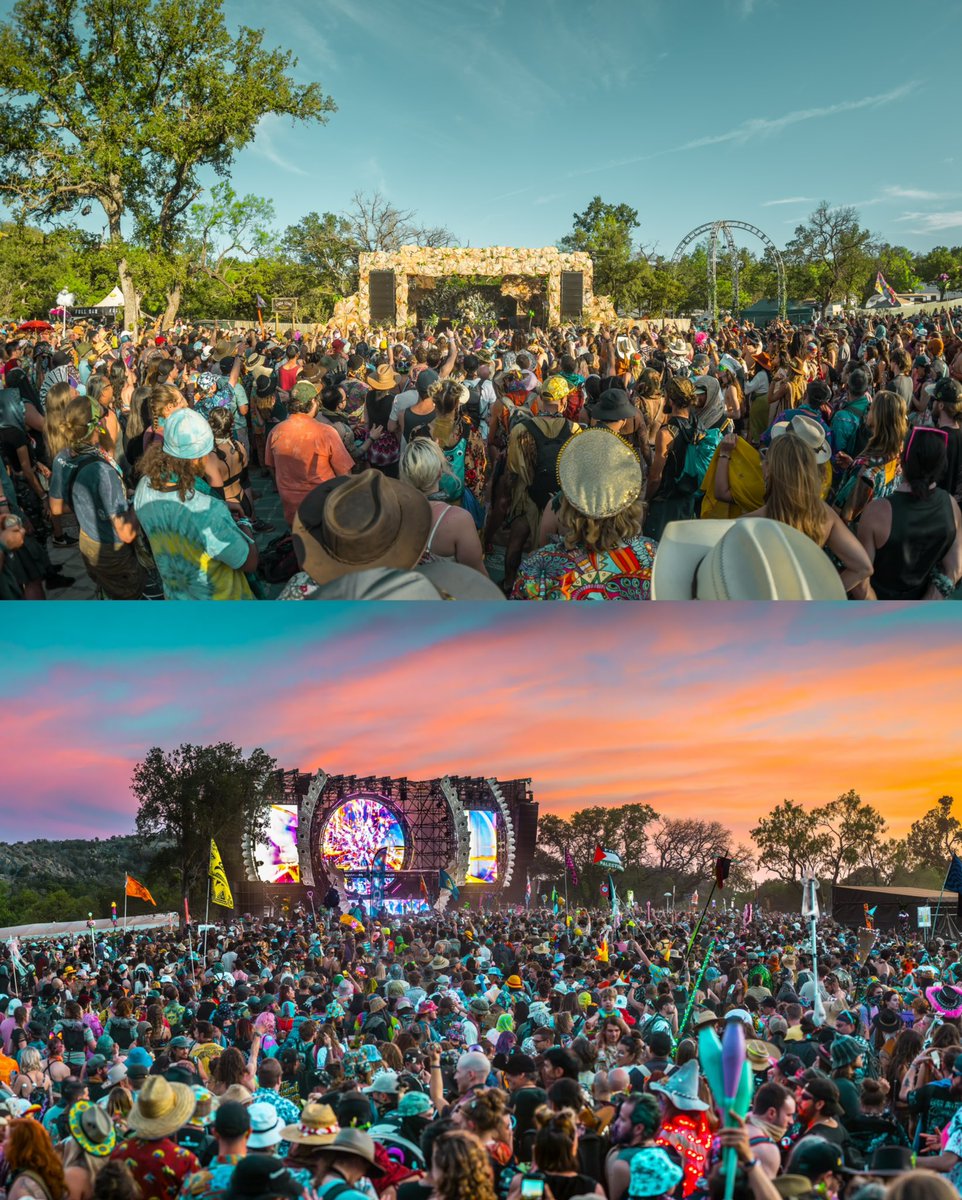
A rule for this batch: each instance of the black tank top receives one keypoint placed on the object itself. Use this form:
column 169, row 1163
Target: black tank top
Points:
column 922, row 532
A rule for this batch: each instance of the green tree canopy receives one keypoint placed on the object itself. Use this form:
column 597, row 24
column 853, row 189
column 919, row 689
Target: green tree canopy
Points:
column 124, row 104
column 606, row 233
column 195, row 793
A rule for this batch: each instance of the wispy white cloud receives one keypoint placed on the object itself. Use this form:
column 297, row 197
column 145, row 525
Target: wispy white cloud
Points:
column 789, row 200
column 933, row 222
column 901, row 193
column 764, row 127
column 265, row 145
column 549, row 198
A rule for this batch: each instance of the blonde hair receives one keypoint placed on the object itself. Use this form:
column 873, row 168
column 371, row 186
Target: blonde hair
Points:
column 599, row 533
column 793, row 487
column 71, row 420
column 891, row 424
column 30, row 1060
column 423, row 463
column 162, row 396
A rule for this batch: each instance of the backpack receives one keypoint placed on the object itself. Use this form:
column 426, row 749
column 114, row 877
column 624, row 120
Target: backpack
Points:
column 862, row 433
column 680, row 481
column 121, row 1030
column 545, row 481
column 73, row 1038
column 39, row 1096
column 72, row 470
column 278, row 563
column 699, row 453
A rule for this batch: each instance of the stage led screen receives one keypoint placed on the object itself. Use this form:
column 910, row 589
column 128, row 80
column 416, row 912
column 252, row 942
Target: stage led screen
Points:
column 275, row 857
column 356, row 830
column 483, row 855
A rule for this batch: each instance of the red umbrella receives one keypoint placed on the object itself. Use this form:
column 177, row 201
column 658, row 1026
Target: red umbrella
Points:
column 36, row 325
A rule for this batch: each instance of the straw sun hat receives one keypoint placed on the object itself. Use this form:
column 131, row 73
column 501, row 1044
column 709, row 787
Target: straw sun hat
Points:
column 161, row 1108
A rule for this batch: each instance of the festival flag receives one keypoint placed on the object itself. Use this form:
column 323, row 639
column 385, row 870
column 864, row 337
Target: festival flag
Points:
column 747, row 913
column 423, row 888
column 953, row 881
column 570, row 868
column 260, row 301
column 186, row 913
column 527, row 893
column 137, row 890
column 614, row 901
column 601, row 954
column 723, row 867
column 554, row 901
column 220, row 889
column 447, row 884
column 608, row 859
column 869, row 915
column 884, row 288
column 13, row 945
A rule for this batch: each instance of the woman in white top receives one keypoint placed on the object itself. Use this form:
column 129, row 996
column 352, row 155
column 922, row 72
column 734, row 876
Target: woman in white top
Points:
column 454, row 535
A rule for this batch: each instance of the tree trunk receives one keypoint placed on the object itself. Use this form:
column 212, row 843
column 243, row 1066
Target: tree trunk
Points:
column 130, row 296
column 173, row 305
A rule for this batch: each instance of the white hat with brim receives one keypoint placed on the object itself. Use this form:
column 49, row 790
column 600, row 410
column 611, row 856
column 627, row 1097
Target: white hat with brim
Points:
column 681, row 1088
column 750, row 559
column 267, row 1126
column 807, row 430
column 161, row 1108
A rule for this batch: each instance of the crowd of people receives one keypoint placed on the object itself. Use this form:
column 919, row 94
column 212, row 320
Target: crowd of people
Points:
column 501, row 1055
column 728, row 462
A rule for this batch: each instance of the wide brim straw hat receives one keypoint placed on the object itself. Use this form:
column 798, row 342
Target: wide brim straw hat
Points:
column 317, row 1126
column 161, row 1108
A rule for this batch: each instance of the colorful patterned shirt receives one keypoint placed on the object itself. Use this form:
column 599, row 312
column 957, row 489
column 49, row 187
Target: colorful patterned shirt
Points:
column 213, row 1178
column 159, row 1167
column 556, row 573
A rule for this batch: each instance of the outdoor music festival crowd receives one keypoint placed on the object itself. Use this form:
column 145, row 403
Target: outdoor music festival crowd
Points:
column 463, row 1055
column 726, row 463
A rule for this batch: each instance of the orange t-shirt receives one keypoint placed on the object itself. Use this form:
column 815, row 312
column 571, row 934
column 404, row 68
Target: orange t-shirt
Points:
column 304, row 453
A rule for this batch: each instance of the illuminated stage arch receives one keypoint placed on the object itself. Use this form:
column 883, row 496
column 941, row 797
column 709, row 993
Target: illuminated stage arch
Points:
column 327, row 829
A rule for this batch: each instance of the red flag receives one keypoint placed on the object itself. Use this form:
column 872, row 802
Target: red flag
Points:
column 423, row 888
column 599, row 854
column 186, row 911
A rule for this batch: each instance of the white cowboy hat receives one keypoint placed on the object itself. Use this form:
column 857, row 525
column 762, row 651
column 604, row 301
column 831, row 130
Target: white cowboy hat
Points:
column 750, row 559
column 807, row 431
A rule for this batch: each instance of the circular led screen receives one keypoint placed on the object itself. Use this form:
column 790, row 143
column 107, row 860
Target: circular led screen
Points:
column 356, row 830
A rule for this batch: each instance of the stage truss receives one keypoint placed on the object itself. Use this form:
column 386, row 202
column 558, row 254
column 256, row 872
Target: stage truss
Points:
column 713, row 229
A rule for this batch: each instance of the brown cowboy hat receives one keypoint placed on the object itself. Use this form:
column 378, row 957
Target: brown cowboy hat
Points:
column 359, row 522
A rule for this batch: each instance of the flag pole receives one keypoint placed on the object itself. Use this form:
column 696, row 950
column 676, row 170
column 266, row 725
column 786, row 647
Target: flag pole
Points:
column 565, row 870
column 206, row 923
column 126, row 877
column 938, row 905
column 697, row 928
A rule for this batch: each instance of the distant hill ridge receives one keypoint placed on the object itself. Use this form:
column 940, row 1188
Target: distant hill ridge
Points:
column 77, row 860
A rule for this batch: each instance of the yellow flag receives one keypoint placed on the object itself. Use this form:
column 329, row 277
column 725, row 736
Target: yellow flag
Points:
column 219, row 887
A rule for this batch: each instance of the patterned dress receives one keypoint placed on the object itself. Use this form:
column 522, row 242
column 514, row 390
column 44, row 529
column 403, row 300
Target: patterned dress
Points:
column 556, row 573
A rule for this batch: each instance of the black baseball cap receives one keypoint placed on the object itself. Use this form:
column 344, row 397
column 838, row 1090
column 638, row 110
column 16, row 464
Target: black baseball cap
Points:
column 232, row 1119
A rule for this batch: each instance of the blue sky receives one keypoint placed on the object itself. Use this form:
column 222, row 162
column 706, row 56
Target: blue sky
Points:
column 500, row 118
column 763, row 703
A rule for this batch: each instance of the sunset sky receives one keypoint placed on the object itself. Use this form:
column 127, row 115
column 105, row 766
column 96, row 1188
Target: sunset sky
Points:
column 721, row 711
